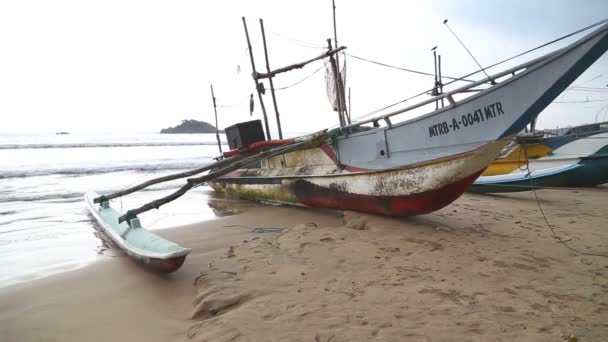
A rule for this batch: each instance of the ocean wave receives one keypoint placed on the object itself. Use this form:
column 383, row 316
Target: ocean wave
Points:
column 40, row 197
column 103, row 144
column 96, row 169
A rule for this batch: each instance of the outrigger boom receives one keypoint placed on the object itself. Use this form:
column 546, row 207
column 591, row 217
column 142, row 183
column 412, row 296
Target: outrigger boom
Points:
column 163, row 255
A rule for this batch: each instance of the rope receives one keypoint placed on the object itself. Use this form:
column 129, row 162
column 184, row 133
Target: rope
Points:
column 545, row 216
column 405, row 69
column 234, row 104
column 536, row 48
column 549, row 187
column 299, row 42
column 389, row 106
column 587, row 101
column 463, row 78
column 300, row 81
column 593, row 79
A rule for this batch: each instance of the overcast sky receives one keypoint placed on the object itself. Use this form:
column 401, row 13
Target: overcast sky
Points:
column 102, row 66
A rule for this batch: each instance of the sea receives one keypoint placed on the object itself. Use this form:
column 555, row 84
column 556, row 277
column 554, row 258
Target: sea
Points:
column 45, row 227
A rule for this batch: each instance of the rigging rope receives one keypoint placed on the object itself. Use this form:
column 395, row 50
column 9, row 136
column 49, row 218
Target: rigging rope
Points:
column 405, row 69
column 235, row 104
column 537, row 48
column 489, row 67
column 300, row 81
column 543, row 212
column 586, row 101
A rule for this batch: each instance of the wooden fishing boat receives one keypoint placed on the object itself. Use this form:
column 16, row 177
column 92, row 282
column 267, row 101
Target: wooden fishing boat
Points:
column 544, row 143
column 140, row 244
column 419, row 165
column 583, row 161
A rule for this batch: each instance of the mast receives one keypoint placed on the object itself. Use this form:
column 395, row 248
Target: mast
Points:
column 349, row 106
column 258, row 87
column 340, row 89
column 217, row 129
column 440, row 85
column 334, row 69
column 274, row 99
column 435, row 91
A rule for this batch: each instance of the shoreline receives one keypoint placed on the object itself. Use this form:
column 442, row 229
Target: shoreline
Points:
column 117, row 299
column 484, row 267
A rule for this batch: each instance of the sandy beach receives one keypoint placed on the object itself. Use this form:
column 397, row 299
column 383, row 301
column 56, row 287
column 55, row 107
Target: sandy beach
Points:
column 485, row 268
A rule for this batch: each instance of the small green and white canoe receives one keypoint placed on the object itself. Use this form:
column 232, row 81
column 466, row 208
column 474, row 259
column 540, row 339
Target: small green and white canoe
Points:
column 140, row 244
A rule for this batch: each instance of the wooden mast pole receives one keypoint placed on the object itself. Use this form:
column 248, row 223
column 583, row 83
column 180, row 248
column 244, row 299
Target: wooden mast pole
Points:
column 274, row 99
column 338, row 75
column 334, row 69
column 440, row 85
column 435, row 87
column 257, row 87
column 217, row 129
column 262, row 75
column 349, row 106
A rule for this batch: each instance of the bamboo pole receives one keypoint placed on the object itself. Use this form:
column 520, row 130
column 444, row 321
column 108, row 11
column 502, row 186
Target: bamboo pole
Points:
column 349, row 107
column 217, row 129
column 340, row 89
column 335, row 70
column 168, row 178
column 440, row 80
column 274, row 99
column 257, row 88
column 261, row 75
column 435, row 87
column 191, row 182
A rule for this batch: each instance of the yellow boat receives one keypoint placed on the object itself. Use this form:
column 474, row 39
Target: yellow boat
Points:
column 539, row 145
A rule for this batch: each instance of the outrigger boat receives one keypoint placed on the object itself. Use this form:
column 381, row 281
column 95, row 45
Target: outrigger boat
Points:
column 392, row 168
column 423, row 164
column 558, row 143
column 571, row 160
column 138, row 243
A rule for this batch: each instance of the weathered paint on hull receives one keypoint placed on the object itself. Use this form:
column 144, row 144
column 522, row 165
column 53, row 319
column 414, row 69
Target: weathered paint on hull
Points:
column 416, row 204
column 412, row 190
column 419, row 165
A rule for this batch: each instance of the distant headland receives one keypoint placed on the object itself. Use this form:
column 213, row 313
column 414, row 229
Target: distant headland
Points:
column 190, row 126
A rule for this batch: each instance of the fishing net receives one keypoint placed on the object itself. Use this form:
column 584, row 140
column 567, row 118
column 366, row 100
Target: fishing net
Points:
column 330, row 83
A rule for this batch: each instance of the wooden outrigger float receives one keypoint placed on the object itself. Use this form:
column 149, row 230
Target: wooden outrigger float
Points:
column 140, row 244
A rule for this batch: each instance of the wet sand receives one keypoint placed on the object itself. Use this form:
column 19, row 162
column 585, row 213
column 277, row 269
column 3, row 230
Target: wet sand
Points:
column 117, row 300
column 485, row 268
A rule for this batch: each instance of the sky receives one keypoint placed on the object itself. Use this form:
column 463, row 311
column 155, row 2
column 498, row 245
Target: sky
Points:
column 139, row 66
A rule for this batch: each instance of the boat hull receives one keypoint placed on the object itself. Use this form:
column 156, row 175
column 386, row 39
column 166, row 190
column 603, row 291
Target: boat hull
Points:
column 142, row 246
column 424, row 163
column 413, row 190
column 566, row 148
column 582, row 161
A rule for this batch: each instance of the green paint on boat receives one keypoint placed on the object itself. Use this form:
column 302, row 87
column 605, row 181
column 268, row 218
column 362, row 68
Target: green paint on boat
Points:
column 137, row 242
column 590, row 171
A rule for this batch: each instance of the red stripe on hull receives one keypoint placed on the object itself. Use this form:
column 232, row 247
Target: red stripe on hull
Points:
column 416, row 204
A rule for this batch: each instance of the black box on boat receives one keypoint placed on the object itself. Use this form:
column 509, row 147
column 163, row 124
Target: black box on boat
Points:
column 244, row 134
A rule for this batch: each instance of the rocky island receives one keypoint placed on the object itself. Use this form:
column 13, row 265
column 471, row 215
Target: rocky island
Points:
column 190, row 126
